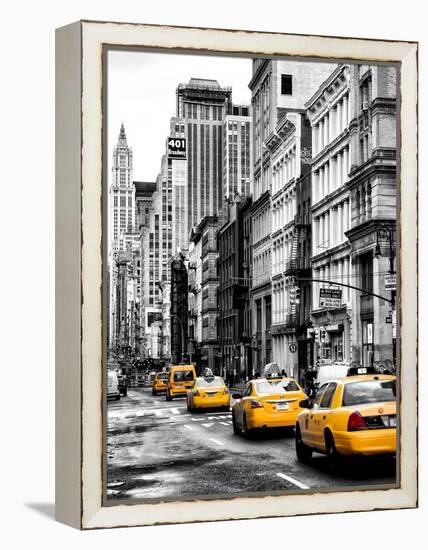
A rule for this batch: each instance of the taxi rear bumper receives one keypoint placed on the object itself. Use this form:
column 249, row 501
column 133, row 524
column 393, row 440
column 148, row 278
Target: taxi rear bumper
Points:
column 199, row 402
column 260, row 418
column 366, row 442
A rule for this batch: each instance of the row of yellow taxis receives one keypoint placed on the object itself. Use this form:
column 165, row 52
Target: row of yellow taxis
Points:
column 355, row 415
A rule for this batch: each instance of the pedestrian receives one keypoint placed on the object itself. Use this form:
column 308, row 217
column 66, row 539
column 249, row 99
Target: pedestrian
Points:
column 284, row 373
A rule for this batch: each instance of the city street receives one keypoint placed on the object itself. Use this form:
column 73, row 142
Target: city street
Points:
column 157, row 449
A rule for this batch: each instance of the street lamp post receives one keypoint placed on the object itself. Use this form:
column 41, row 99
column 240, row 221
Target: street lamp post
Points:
column 386, row 233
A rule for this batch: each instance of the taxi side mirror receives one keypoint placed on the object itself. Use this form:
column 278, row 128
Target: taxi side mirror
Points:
column 305, row 404
column 236, row 395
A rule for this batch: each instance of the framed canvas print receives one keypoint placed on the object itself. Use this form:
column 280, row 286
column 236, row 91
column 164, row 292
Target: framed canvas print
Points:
column 236, row 274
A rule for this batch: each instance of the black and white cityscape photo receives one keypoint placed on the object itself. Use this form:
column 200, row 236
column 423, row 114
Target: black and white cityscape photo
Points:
column 250, row 282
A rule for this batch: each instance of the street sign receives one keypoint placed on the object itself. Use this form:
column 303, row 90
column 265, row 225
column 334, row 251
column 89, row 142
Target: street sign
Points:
column 330, row 297
column 176, row 148
column 391, row 281
column 292, row 348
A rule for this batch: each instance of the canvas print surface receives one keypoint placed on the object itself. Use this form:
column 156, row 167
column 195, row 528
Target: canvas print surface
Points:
column 250, row 283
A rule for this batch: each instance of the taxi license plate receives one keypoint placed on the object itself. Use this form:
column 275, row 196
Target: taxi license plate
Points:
column 389, row 421
column 282, row 406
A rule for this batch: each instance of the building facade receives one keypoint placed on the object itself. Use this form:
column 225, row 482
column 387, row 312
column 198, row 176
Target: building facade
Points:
column 289, row 146
column 179, row 309
column 277, row 87
column 233, row 294
column 372, row 233
column 329, row 112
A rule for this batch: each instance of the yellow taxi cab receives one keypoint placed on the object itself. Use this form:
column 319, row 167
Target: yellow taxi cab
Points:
column 208, row 392
column 267, row 403
column 181, row 379
column 355, row 415
column 159, row 382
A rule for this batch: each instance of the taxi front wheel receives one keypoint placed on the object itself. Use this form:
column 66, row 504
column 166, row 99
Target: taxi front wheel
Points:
column 246, row 432
column 334, row 458
column 236, row 430
column 304, row 453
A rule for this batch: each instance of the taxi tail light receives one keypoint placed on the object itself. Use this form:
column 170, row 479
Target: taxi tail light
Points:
column 256, row 404
column 356, row 422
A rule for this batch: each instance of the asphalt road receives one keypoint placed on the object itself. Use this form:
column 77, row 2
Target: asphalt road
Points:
column 156, row 449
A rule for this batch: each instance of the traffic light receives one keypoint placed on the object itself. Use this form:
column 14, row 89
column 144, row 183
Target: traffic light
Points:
column 294, row 295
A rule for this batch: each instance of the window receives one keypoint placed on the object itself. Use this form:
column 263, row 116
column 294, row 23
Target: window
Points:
column 286, row 84
column 318, row 396
column 328, row 396
column 367, row 272
column 371, row 391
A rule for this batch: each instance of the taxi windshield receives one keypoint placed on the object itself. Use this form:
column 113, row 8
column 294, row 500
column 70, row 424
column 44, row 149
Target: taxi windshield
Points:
column 211, row 381
column 183, row 376
column 369, row 391
column 162, row 376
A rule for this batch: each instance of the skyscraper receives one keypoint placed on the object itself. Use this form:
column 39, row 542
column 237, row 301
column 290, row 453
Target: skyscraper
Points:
column 202, row 104
column 237, row 167
column 122, row 192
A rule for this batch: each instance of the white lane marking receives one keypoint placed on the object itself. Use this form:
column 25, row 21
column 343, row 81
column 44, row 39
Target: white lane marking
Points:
column 175, row 411
column 188, row 427
column 159, row 412
column 229, row 422
column 225, row 423
column 207, row 425
column 216, row 441
column 293, row 481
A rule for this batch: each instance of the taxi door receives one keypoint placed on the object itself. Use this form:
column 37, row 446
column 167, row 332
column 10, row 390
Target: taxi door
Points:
column 241, row 404
column 310, row 421
column 322, row 416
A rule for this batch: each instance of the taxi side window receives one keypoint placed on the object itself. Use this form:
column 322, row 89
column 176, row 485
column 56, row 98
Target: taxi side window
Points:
column 247, row 391
column 318, row 396
column 328, row 396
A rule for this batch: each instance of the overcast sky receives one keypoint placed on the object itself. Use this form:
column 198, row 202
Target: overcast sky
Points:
column 141, row 94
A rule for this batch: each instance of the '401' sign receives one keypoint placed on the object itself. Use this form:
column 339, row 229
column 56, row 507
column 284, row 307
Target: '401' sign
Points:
column 176, row 148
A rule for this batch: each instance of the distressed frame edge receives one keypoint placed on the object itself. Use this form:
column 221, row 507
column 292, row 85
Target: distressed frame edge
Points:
column 68, row 134
column 96, row 516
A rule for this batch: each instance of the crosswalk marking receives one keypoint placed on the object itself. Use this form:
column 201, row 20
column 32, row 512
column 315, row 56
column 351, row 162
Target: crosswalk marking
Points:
column 175, row 410
column 224, row 423
column 207, row 425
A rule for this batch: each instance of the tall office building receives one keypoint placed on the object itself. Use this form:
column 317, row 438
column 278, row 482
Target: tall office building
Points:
column 237, row 166
column 122, row 192
column 202, row 104
column 121, row 229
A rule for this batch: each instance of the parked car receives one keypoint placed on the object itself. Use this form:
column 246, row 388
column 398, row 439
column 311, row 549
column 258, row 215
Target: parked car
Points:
column 112, row 385
column 123, row 384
